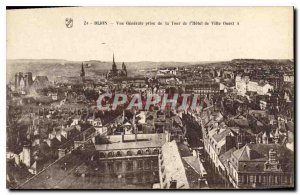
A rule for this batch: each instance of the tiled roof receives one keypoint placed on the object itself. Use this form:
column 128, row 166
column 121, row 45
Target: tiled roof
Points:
column 259, row 155
column 195, row 163
column 221, row 135
column 225, row 156
column 173, row 168
column 148, row 140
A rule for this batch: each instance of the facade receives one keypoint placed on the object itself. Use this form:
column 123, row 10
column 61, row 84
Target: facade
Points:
column 289, row 78
column 261, row 166
column 203, row 88
column 128, row 159
column 244, row 84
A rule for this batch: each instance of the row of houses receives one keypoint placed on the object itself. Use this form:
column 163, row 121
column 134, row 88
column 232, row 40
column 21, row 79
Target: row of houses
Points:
column 244, row 159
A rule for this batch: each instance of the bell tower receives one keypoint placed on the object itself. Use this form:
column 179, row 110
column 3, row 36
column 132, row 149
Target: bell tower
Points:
column 82, row 73
column 114, row 66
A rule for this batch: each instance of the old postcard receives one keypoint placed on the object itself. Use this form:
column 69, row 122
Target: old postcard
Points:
column 150, row 98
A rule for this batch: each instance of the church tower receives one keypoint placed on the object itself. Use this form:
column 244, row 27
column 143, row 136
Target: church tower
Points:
column 82, row 74
column 124, row 70
column 114, row 66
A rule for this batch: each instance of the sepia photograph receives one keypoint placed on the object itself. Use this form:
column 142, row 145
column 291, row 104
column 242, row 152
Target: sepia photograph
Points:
column 156, row 98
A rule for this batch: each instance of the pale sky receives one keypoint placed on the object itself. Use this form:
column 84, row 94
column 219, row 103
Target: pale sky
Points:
column 265, row 32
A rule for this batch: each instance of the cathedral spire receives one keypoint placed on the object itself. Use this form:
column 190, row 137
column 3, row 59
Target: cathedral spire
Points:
column 82, row 74
column 82, row 70
column 123, row 66
column 114, row 66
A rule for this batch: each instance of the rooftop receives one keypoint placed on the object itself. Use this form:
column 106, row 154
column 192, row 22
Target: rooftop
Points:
column 173, row 166
column 143, row 141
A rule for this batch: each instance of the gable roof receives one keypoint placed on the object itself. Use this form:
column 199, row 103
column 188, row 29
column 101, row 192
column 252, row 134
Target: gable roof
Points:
column 260, row 155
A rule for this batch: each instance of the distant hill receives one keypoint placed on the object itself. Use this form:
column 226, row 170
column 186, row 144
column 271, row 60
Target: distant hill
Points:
column 58, row 67
column 263, row 61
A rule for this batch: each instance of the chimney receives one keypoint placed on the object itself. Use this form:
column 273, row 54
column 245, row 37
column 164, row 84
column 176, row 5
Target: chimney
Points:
column 173, row 184
column 134, row 126
column 239, row 145
column 250, row 153
column 122, row 137
column 135, row 132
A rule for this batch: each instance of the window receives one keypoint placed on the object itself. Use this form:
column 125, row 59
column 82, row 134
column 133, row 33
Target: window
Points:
column 285, row 179
column 110, row 166
column 140, row 164
column 264, row 179
column 240, row 179
column 147, row 177
column 110, row 154
column 288, row 181
column 140, row 178
column 156, row 151
column 251, row 178
column 129, row 166
column 148, row 152
column 245, row 179
column 119, row 166
column 102, row 155
column 129, row 153
column 155, row 164
column 119, row 153
column 139, row 152
column 147, row 164
column 271, row 180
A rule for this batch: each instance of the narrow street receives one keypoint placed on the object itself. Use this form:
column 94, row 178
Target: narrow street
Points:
column 194, row 137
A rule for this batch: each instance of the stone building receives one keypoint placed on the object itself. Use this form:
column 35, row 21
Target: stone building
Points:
column 114, row 72
column 126, row 159
column 23, row 80
column 261, row 166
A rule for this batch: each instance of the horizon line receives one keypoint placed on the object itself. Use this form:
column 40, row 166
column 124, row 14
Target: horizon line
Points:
column 150, row 60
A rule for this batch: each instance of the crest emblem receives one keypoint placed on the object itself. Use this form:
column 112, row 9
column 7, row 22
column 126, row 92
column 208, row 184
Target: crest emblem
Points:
column 69, row 22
